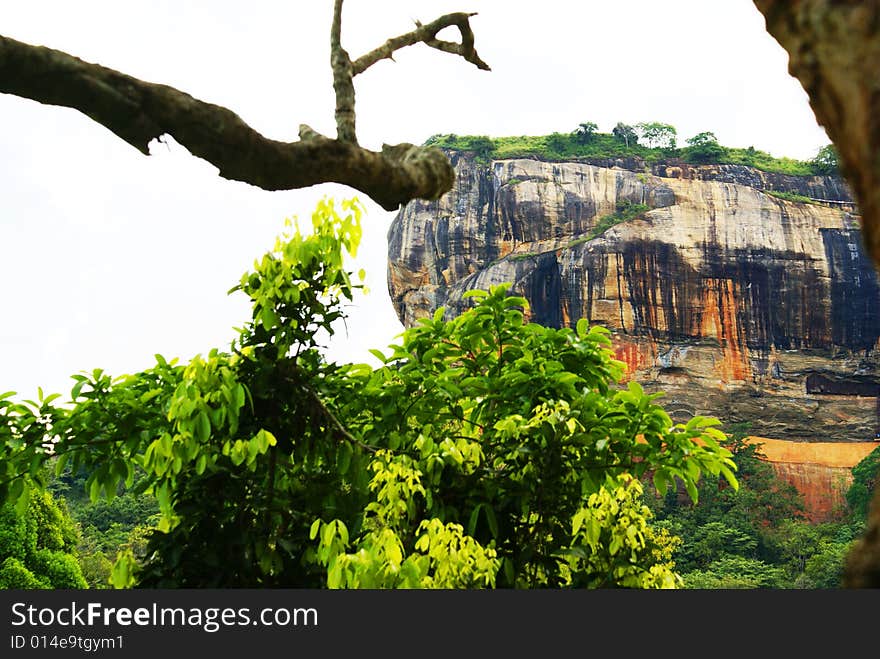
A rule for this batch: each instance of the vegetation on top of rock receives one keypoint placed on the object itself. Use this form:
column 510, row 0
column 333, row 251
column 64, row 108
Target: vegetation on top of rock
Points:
column 649, row 141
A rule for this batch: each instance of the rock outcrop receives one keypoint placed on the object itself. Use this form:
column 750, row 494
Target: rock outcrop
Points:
column 821, row 471
column 733, row 301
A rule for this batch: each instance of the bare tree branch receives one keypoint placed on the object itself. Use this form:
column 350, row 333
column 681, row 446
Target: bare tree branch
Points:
column 140, row 112
column 343, row 84
column 427, row 34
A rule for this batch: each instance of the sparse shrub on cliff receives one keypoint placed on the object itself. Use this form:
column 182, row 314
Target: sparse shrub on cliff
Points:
column 790, row 196
column 625, row 211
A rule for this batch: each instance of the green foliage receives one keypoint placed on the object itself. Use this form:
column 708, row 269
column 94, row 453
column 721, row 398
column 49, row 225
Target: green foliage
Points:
column 613, row 544
column 625, row 211
column 812, row 554
column 481, row 146
column 715, row 539
column 511, row 426
column 656, row 135
column 751, row 157
column 704, row 148
column 585, row 132
column 755, row 537
column 735, row 572
column 484, row 451
column 858, row 496
column 524, row 256
column 826, row 161
column 790, row 196
column 37, row 548
column 110, row 527
column 625, row 133
column 624, row 142
column 441, row 555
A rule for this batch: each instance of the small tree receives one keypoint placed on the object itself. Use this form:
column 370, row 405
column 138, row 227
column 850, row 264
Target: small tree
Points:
column 826, row 161
column 704, row 147
column 657, row 135
column 625, row 133
column 585, row 132
column 864, row 484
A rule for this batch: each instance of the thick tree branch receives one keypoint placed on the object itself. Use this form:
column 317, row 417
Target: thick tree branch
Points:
column 427, row 34
column 834, row 51
column 139, row 112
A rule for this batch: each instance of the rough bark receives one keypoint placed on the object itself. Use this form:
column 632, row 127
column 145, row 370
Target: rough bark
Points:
column 834, row 51
column 139, row 112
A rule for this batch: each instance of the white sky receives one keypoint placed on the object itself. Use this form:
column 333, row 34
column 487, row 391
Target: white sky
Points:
column 108, row 256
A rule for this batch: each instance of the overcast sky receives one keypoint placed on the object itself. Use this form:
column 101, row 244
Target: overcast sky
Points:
column 108, row 256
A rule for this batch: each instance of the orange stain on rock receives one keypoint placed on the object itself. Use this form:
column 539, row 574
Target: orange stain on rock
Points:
column 820, row 471
column 720, row 320
column 636, row 355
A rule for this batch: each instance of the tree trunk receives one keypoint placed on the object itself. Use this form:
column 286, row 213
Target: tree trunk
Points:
column 834, row 51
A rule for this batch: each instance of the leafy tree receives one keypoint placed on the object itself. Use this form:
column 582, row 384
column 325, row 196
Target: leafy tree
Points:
column 715, row 539
column 749, row 523
column 37, row 545
column 762, row 501
column 813, row 555
column 625, row 133
column 657, row 135
column 826, row 161
column 703, row 148
column 585, row 132
column 825, row 568
column 858, row 496
column 484, row 451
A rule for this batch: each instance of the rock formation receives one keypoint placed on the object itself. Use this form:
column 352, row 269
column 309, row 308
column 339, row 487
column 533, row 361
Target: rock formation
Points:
column 735, row 302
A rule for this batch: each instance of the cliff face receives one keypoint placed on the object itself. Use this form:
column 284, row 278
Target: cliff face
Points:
column 732, row 301
column 821, row 471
